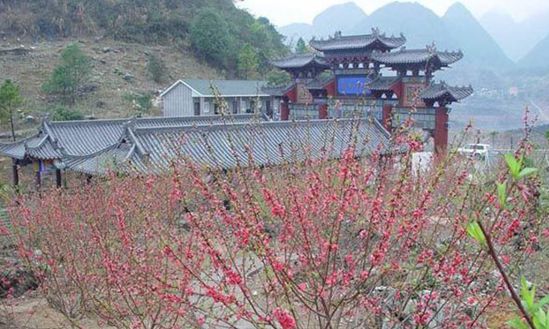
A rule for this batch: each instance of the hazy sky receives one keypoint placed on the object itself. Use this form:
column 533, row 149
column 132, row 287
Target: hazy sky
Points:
column 283, row 12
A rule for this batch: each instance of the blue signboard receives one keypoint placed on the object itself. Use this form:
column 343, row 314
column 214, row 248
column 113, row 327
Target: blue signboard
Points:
column 353, row 86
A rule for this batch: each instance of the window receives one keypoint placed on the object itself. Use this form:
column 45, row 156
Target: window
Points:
column 476, row 147
column 252, row 107
column 235, row 106
column 269, row 110
column 197, row 108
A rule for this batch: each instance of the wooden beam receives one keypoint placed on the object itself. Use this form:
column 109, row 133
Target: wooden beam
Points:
column 15, row 172
column 37, row 175
column 58, row 180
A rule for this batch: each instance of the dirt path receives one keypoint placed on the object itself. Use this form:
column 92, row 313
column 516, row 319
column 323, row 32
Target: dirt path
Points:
column 33, row 312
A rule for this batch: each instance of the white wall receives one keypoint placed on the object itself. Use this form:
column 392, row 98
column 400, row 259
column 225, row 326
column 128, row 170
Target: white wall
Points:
column 178, row 102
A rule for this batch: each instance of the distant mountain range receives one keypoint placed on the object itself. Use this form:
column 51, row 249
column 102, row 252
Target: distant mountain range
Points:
column 344, row 18
column 537, row 57
column 516, row 38
column 481, row 41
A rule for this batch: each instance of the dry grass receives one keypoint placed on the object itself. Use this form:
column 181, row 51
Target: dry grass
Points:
column 109, row 67
column 498, row 320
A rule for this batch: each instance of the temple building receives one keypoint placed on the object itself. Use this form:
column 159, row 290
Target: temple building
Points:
column 371, row 74
column 152, row 145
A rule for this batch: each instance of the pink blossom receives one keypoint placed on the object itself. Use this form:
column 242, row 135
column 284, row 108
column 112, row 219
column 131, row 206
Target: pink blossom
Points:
column 285, row 319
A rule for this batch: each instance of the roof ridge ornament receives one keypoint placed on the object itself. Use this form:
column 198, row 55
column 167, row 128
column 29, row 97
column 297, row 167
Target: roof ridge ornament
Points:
column 375, row 32
column 432, row 48
column 48, row 131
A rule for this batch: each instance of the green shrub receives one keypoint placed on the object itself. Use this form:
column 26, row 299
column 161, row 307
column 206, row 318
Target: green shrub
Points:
column 157, row 69
column 210, row 37
column 140, row 103
column 71, row 74
column 64, row 114
column 277, row 78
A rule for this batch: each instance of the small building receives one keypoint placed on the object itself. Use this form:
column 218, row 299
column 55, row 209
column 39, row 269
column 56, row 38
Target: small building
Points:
column 193, row 97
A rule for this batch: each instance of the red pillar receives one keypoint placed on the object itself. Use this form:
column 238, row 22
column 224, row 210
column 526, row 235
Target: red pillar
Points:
column 323, row 111
column 441, row 130
column 284, row 111
column 37, row 174
column 387, row 116
column 15, row 172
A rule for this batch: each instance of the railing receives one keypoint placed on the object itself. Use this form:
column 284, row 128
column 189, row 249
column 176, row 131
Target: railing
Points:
column 353, row 110
column 304, row 112
column 423, row 118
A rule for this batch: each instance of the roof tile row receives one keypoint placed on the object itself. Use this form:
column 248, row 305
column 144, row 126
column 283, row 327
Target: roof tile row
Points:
column 84, row 137
column 262, row 144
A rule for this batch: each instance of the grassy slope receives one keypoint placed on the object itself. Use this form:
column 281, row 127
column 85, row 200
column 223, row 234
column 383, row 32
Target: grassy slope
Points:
column 30, row 71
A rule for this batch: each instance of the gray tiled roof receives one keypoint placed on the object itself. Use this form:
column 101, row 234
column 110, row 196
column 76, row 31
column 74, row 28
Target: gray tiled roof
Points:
column 225, row 147
column 300, row 60
column 109, row 159
column 382, row 83
column 417, row 56
column 197, row 120
column 45, row 149
column 278, row 91
column 441, row 90
column 227, row 87
column 320, row 82
column 84, row 137
column 339, row 42
column 17, row 150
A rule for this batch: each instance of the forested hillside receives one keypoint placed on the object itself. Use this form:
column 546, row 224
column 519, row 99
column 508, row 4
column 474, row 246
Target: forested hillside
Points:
column 132, row 49
column 163, row 22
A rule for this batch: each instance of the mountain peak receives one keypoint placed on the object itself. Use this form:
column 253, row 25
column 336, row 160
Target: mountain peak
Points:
column 347, row 5
column 458, row 9
column 407, row 9
column 406, row 4
column 342, row 17
column 341, row 9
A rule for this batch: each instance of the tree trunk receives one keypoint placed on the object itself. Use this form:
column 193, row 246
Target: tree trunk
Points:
column 12, row 126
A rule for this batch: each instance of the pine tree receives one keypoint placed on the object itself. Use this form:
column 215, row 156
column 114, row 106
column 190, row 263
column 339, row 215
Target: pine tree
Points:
column 70, row 75
column 10, row 100
column 301, row 47
column 248, row 62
